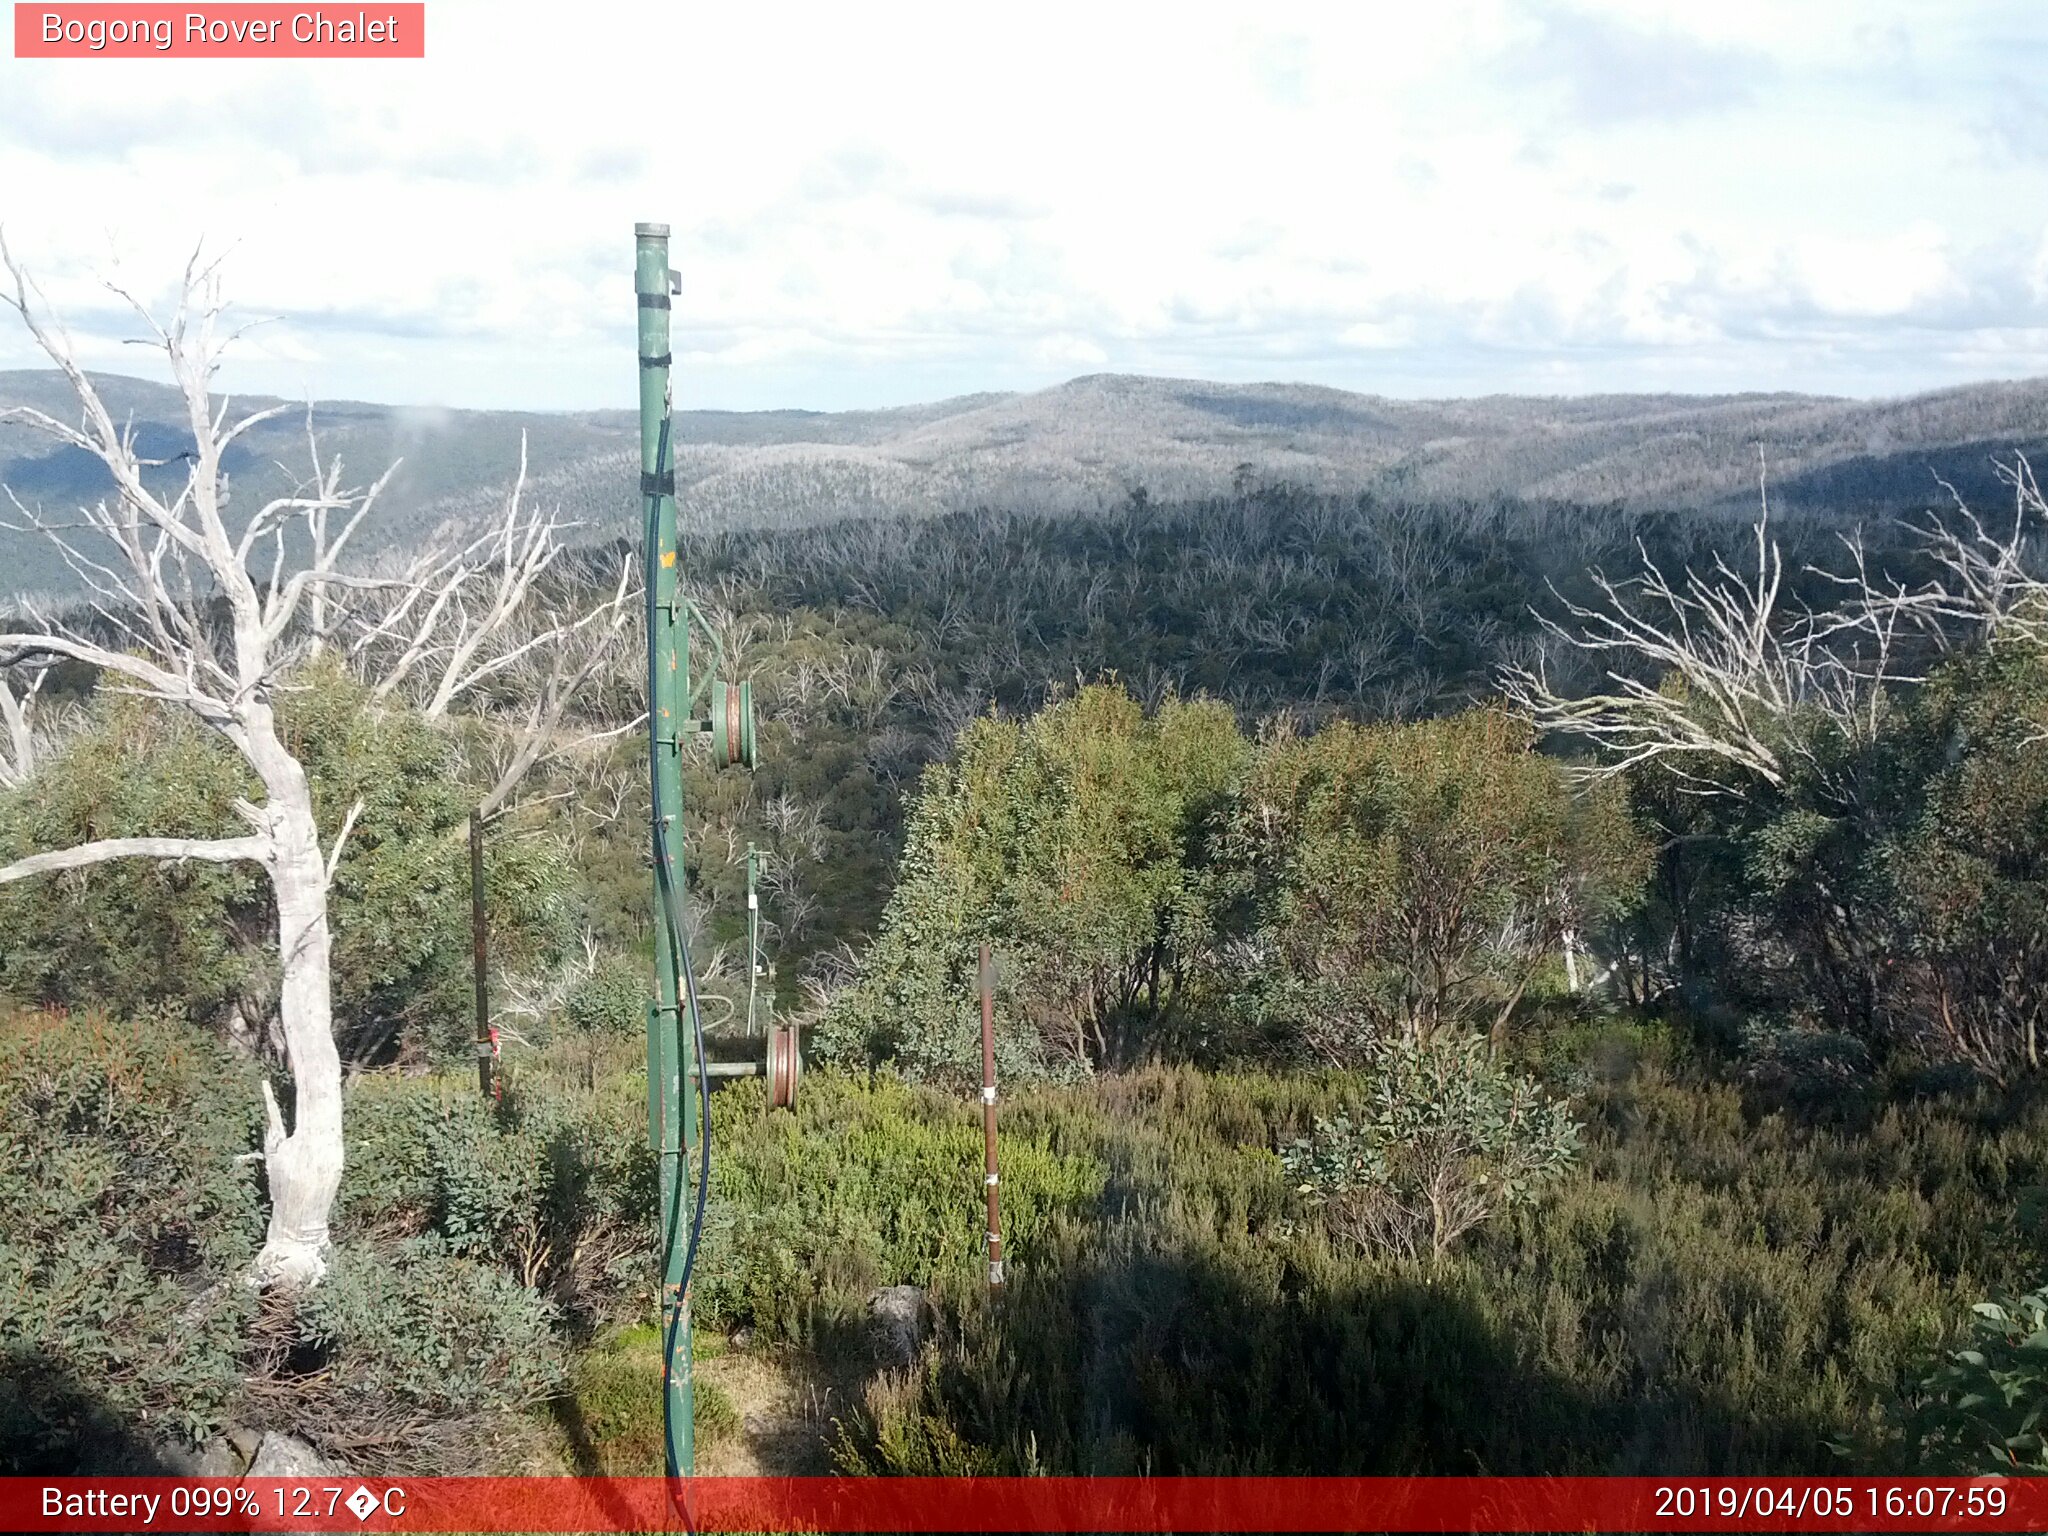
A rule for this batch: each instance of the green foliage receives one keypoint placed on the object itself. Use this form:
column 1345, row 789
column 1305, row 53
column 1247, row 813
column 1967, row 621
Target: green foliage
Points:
column 1072, row 842
column 1982, row 1410
column 201, row 938
column 555, row 1188
column 473, row 1242
column 1713, row 1288
column 1894, row 887
column 1966, row 878
column 1157, row 887
column 421, row 1356
column 1410, row 878
column 124, row 1217
column 612, row 999
column 140, row 934
column 863, row 1187
column 1447, row 1138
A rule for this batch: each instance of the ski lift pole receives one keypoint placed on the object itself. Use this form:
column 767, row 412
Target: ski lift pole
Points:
column 671, row 1108
column 988, row 1116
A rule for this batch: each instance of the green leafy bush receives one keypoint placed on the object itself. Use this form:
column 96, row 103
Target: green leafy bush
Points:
column 143, row 934
column 1072, row 842
column 410, row 1358
column 1714, row 1287
column 1894, row 887
column 125, row 1217
column 200, row 938
column 556, row 1186
column 1985, row 1409
column 611, row 999
column 1447, row 1138
column 1406, row 878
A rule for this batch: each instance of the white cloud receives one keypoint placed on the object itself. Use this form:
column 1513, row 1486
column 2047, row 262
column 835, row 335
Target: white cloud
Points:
column 888, row 203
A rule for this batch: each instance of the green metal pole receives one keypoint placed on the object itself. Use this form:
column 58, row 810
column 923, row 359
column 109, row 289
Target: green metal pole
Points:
column 670, row 1047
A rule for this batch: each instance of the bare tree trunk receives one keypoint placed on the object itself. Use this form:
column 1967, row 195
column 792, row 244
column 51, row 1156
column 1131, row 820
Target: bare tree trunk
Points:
column 304, row 1166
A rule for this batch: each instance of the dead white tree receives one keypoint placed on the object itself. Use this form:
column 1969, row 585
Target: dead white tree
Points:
column 1719, row 668
column 18, row 723
column 179, row 614
column 1716, row 668
column 1987, row 591
column 479, row 623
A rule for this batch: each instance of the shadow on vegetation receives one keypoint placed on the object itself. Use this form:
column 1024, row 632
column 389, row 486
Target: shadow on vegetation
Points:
column 52, row 1425
column 1154, row 1364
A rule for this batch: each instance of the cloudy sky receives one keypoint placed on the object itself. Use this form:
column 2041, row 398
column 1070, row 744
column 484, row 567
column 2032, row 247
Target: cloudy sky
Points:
column 876, row 204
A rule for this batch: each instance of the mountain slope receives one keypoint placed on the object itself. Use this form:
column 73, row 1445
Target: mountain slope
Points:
column 1089, row 444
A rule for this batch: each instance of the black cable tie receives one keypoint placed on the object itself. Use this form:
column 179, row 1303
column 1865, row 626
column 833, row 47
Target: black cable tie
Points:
column 663, row 484
column 657, row 362
column 654, row 301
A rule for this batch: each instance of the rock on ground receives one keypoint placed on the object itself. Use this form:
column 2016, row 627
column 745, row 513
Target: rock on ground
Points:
column 288, row 1456
column 899, row 1320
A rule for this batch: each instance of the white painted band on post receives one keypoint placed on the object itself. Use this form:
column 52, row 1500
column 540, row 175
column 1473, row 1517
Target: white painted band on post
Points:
column 990, row 1181
column 988, row 1094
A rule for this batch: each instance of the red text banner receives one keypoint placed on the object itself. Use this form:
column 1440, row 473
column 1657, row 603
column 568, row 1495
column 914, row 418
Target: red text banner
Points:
column 232, row 31
column 1025, row 1504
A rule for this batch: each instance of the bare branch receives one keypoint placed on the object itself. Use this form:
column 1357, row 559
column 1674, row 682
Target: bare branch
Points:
column 220, row 850
column 348, row 825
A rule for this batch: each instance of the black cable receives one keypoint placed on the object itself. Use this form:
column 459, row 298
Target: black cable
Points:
column 679, row 954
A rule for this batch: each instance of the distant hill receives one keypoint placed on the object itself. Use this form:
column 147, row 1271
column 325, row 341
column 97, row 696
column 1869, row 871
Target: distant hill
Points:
column 1087, row 445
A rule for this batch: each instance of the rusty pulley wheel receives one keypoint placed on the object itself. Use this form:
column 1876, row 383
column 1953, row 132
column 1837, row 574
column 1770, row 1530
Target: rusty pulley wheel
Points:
column 732, row 725
column 785, row 1065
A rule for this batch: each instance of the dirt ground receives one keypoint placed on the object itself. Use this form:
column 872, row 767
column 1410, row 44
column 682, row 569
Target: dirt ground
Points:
column 786, row 1409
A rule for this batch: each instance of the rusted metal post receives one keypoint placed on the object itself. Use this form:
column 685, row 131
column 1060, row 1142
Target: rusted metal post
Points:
column 988, row 1116
column 480, row 943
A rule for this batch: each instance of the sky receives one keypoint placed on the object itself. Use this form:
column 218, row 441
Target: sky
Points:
column 878, row 204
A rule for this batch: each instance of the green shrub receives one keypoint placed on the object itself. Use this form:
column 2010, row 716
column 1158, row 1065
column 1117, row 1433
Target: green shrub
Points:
column 143, row 934
column 125, row 1216
column 611, row 999
column 1072, row 842
column 1894, row 887
column 471, row 1237
column 863, row 1187
column 1985, row 1409
column 1416, row 877
column 409, row 1358
column 1715, row 1287
column 201, row 938
column 1447, row 1138
column 556, row 1185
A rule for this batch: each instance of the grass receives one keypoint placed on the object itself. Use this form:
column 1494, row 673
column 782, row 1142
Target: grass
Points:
column 612, row 1417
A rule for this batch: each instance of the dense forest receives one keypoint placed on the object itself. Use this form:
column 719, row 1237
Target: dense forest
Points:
column 1487, row 985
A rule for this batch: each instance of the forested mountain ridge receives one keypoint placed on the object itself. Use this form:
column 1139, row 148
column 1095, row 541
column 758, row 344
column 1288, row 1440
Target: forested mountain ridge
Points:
column 1090, row 444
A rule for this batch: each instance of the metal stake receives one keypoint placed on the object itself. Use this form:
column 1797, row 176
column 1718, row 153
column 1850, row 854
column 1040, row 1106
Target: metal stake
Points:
column 480, row 945
column 988, row 1116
